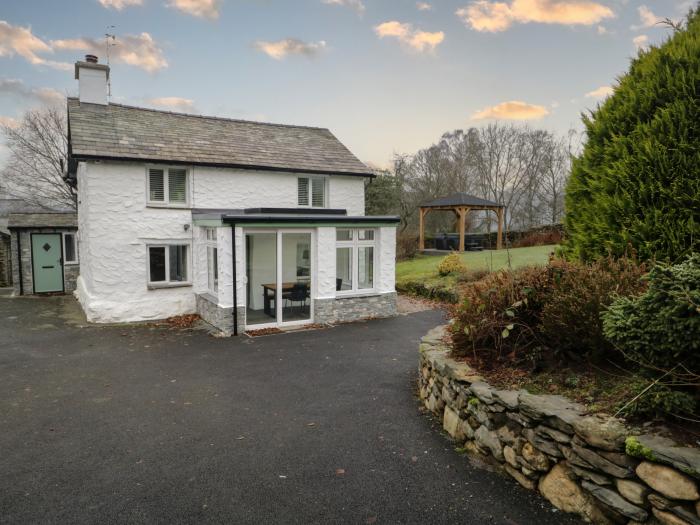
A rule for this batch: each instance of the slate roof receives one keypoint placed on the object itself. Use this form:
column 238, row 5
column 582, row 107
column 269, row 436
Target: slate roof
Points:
column 9, row 206
column 43, row 220
column 460, row 199
column 116, row 131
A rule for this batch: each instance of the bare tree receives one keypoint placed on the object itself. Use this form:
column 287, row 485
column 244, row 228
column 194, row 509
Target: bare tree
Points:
column 557, row 167
column 525, row 169
column 510, row 158
column 35, row 167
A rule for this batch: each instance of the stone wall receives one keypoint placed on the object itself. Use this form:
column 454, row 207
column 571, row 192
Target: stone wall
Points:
column 348, row 309
column 218, row 317
column 594, row 466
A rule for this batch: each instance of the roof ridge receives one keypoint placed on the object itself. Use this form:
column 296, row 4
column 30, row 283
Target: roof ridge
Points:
column 212, row 117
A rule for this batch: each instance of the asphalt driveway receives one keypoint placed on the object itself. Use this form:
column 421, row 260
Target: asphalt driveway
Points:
column 142, row 424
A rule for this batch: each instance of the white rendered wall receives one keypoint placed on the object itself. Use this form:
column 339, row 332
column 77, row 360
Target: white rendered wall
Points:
column 386, row 273
column 325, row 263
column 347, row 193
column 116, row 226
column 113, row 286
column 238, row 189
column 92, row 85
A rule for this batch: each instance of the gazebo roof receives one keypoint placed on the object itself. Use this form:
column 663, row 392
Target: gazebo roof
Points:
column 461, row 199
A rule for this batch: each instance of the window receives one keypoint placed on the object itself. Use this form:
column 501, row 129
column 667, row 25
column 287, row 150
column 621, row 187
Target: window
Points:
column 167, row 186
column 311, row 191
column 354, row 258
column 168, row 264
column 212, row 261
column 70, row 248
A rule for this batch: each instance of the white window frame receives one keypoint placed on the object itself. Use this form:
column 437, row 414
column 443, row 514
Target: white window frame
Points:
column 167, row 283
column 165, row 203
column 311, row 178
column 75, row 246
column 355, row 243
column 210, row 242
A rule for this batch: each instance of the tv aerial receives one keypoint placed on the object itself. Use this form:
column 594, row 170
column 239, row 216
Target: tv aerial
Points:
column 110, row 41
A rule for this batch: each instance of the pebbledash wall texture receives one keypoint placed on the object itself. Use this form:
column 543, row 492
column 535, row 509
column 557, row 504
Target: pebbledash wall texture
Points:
column 593, row 466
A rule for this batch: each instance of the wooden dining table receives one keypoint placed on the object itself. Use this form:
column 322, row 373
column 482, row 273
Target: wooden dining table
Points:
column 270, row 294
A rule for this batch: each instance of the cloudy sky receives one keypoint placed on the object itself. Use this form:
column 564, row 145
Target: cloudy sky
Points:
column 384, row 75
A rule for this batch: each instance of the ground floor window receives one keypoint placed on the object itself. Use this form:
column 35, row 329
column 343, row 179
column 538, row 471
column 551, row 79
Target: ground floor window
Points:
column 355, row 260
column 212, row 261
column 168, row 264
column 70, row 248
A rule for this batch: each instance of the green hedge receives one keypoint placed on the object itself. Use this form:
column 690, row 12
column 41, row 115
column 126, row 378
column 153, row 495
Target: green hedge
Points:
column 637, row 182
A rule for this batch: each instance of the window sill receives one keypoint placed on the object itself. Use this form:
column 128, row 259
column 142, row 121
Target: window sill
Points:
column 168, row 206
column 72, row 263
column 160, row 286
column 351, row 295
column 209, row 296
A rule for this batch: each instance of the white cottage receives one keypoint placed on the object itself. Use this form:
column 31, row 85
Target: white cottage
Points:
column 251, row 225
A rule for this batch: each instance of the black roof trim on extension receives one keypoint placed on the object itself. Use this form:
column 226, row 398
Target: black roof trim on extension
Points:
column 297, row 211
column 287, row 218
column 220, row 165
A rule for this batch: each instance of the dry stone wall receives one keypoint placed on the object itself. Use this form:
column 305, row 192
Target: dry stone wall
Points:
column 591, row 465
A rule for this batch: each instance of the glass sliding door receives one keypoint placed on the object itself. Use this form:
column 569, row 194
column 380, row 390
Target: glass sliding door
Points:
column 296, row 277
column 261, row 272
column 279, row 278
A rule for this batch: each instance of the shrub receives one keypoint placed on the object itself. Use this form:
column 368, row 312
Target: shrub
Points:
column 406, row 246
column 660, row 329
column 570, row 321
column 658, row 401
column 539, row 238
column 451, row 264
column 436, row 291
column 637, row 181
column 498, row 316
column 540, row 314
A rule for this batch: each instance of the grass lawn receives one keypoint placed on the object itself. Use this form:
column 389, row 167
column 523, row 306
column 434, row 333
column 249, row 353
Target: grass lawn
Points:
column 426, row 265
column 419, row 275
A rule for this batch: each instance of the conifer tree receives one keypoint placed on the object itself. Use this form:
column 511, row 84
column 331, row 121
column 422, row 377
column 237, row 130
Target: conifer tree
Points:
column 637, row 182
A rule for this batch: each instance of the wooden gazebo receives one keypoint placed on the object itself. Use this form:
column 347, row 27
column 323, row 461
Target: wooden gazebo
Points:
column 461, row 204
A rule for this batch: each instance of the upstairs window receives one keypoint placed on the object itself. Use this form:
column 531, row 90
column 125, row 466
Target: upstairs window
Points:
column 167, row 186
column 311, row 191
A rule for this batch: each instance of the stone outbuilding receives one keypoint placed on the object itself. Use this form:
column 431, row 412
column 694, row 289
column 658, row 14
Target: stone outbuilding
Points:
column 44, row 252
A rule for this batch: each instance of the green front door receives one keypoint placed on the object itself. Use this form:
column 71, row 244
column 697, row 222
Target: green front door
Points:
column 47, row 262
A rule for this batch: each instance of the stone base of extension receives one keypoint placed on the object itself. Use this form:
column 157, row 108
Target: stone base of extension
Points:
column 594, row 466
column 326, row 311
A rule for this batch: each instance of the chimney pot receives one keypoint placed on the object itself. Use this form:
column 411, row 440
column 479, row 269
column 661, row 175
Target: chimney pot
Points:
column 91, row 58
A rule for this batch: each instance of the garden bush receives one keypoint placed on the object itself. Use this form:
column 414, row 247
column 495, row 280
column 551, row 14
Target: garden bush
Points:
column 637, row 182
column 406, row 246
column 570, row 321
column 541, row 237
column 498, row 316
column 533, row 315
column 660, row 329
column 451, row 264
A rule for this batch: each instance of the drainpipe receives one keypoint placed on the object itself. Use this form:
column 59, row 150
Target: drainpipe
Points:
column 235, row 281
